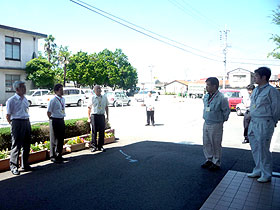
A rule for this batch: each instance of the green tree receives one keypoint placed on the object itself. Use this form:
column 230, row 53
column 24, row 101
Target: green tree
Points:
column 63, row 59
column 276, row 38
column 39, row 72
column 50, row 48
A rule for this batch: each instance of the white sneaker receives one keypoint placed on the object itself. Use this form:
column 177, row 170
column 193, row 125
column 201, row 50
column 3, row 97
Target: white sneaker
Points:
column 253, row 175
column 264, row 180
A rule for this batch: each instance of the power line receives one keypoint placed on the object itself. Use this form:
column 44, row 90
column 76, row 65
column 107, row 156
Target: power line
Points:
column 164, row 37
column 143, row 32
column 93, row 9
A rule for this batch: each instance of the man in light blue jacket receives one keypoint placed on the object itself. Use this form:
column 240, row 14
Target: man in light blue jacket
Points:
column 265, row 113
column 216, row 112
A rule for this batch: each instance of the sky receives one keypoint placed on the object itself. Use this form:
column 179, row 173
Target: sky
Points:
column 194, row 25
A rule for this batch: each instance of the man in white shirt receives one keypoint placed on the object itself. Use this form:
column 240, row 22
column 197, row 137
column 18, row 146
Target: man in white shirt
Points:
column 97, row 107
column 149, row 102
column 18, row 117
column 56, row 114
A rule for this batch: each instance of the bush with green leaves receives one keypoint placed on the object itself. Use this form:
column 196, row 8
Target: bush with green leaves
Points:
column 40, row 131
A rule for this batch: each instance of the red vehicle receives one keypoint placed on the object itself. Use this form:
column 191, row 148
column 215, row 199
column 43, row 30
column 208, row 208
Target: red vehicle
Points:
column 233, row 96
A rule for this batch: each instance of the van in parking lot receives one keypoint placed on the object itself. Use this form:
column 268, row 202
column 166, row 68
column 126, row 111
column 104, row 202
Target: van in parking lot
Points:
column 72, row 96
column 116, row 98
column 34, row 97
column 233, row 96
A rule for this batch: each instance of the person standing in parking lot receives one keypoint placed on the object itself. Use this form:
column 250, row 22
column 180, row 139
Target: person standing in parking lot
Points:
column 97, row 107
column 247, row 117
column 216, row 112
column 18, row 117
column 56, row 114
column 149, row 102
column 265, row 113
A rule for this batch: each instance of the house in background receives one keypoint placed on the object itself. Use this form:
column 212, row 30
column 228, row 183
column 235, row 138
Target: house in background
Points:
column 176, row 87
column 17, row 47
column 240, row 78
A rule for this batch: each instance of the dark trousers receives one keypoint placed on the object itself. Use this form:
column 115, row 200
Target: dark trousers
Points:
column 150, row 116
column 246, row 122
column 57, row 133
column 97, row 126
column 21, row 134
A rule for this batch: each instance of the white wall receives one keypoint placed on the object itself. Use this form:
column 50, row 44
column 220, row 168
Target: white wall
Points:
column 28, row 46
column 239, row 78
column 175, row 87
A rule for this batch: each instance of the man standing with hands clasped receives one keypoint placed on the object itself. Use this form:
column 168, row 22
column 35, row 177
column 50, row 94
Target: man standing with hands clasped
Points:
column 265, row 113
column 18, row 117
column 96, row 110
column 216, row 112
column 56, row 114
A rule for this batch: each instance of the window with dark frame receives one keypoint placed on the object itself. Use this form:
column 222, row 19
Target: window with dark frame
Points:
column 9, row 81
column 12, row 48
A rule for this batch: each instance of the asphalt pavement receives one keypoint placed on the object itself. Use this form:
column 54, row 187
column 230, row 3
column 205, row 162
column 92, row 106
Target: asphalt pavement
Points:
column 143, row 175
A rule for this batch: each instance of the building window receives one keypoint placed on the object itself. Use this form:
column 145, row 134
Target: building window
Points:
column 9, row 81
column 12, row 48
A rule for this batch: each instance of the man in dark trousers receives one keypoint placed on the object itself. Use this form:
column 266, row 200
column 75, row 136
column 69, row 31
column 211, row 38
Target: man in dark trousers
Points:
column 247, row 116
column 56, row 114
column 97, row 107
column 18, row 117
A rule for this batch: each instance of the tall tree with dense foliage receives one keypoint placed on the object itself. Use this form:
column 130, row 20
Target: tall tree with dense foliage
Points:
column 39, row 72
column 63, row 59
column 276, row 38
column 50, row 48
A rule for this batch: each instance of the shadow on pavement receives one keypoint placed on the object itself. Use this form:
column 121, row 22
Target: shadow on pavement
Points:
column 162, row 176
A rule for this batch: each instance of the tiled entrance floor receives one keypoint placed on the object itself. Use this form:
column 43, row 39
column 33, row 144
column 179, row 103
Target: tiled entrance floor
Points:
column 237, row 191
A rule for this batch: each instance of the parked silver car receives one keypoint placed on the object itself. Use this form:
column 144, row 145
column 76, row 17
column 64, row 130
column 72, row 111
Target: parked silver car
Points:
column 34, row 97
column 140, row 96
column 116, row 98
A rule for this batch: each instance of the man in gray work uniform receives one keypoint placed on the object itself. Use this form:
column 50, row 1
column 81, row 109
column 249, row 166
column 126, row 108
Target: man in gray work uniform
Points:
column 18, row 117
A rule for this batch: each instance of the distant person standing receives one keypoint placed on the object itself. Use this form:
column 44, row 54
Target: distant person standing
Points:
column 247, row 116
column 216, row 112
column 149, row 102
column 18, row 117
column 96, row 116
column 265, row 113
column 56, row 114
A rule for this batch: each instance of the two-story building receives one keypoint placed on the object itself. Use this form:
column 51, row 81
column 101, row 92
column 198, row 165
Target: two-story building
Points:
column 17, row 47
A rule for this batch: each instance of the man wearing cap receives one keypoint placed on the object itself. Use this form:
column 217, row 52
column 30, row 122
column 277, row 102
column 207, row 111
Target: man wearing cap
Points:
column 18, row 117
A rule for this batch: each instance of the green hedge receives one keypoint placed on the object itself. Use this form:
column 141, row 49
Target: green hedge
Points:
column 40, row 131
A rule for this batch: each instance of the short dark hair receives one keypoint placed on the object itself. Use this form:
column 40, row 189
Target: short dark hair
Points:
column 264, row 71
column 213, row 81
column 250, row 87
column 57, row 87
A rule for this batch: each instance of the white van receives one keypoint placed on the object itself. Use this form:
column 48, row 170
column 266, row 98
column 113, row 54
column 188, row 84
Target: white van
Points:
column 72, row 96
column 34, row 97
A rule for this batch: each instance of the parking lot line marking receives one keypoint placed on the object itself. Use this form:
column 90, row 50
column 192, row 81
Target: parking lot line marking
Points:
column 128, row 157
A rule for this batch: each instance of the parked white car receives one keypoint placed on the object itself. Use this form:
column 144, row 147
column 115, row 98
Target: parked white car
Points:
column 140, row 96
column 34, row 97
column 116, row 98
column 71, row 95
column 240, row 109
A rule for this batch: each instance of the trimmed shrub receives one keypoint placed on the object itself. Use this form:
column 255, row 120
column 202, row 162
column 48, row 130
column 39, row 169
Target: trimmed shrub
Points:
column 40, row 131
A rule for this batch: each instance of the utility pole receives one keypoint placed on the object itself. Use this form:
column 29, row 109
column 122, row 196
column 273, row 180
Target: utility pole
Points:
column 151, row 69
column 223, row 37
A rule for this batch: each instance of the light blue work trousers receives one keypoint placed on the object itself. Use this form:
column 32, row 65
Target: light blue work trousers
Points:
column 260, row 133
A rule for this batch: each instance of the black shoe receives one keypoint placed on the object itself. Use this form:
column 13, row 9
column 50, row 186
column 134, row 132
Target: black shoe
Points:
column 56, row 160
column 214, row 167
column 207, row 164
column 153, row 124
column 93, row 149
column 27, row 168
column 147, row 124
column 245, row 141
column 102, row 149
column 15, row 171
